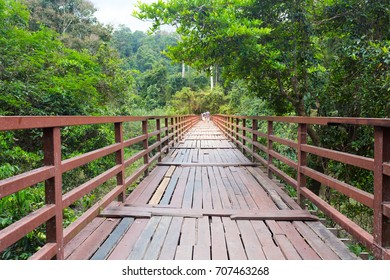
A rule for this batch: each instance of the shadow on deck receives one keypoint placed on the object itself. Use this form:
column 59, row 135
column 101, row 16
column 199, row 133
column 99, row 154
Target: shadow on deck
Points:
column 204, row 201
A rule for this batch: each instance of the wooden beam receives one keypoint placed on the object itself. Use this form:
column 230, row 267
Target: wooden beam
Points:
column 234, row 214
column 200, row 164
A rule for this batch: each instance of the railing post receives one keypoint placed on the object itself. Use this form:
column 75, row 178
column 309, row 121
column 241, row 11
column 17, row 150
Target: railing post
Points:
column 231, row 121
column 158, row 127
column 243, row 135
column 270, row 131
column 255, row 127
column 120, row 159
column 302, row 161
column 176, row 128
column 237, row 131
column 146, row 144
column 381, row 232
column 172, row 131
column 166, row 121
column 53, row 188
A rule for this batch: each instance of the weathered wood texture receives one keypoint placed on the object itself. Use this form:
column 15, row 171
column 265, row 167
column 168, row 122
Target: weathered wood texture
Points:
column 206, row 201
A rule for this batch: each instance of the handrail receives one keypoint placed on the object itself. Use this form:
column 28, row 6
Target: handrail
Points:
column 247, row 137
column 169, row 130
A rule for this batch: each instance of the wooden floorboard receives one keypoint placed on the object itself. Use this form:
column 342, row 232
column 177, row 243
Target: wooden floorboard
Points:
column 206, row 201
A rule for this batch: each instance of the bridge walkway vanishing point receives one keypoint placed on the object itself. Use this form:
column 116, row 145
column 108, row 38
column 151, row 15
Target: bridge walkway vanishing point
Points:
column 206, row 201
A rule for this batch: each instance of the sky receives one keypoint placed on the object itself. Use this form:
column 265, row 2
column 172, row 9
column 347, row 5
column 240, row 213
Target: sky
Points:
column 117, row 12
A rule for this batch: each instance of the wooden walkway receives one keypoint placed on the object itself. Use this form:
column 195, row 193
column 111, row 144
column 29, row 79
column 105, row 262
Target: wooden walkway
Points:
column 206, row 200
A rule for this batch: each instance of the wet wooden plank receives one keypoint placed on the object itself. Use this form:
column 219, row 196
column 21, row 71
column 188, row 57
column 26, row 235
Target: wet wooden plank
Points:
column 126, row 244
column 203, row 232
column 184, row 252
column 92, row 243
column 178, row 193
column 288, row 250
column 315, row 242
column 143, row 241
column 303, row 248
column 218, row 247
column 215, row 196
column 188, row 232
column 171, row 242
column 201, row 252
column 82, row 236
column 233, row 201
column 198, row 192
column 189, row 189
column 252, row 245
column 236, row 250
column 158, row 239
column 266, row 238
column 334, row 243
column 114, row 238
column 233, row 240
column 281, row 199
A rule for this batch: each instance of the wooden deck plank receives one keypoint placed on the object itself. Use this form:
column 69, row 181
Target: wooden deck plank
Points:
column 206, row 191
column 203, row 232
column 315, row 242
column 169, row 248
column 144, row 239
column 126, row 244
column 188, row 232
column 288, row 250
column 201, row 252
column 184, row 252
column 93, row 242
column 236, row 250
column 160, row 191
column 215, row 197
column 270, row 186
column 334, row 243
column 303, row 248
column 158, row 239
column 218, row 247
column 114, row 238
column 253, row 248
column 189, row 189
column 178, row 193
column 266, row 238
column 171, row 186
column 145, row 190
column 229, row 189
column 170, row 171
column 82, row 236
column 198, row 192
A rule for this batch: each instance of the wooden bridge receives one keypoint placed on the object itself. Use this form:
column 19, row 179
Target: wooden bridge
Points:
column 199, row 196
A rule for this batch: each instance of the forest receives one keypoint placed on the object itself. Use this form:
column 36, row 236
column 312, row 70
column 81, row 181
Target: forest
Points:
column 244, row 57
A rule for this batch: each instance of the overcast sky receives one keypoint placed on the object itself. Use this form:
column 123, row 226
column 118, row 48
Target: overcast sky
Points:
column 117, row 12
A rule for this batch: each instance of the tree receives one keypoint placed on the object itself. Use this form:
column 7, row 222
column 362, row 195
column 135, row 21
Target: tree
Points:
column 74, row 20
column 266, row 43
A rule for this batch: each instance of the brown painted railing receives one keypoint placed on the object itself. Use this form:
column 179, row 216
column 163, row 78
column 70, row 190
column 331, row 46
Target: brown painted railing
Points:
column 247, row 137
column 168, row 130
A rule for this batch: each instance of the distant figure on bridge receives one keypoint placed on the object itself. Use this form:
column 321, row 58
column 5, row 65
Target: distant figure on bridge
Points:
column 202, row 117
column 207, row 116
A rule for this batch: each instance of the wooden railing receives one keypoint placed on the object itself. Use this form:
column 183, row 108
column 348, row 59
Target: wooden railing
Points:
column 168, row 130
column 244, row 131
